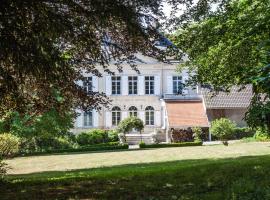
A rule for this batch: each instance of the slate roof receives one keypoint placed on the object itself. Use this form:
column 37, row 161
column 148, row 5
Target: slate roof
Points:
column 233, row 99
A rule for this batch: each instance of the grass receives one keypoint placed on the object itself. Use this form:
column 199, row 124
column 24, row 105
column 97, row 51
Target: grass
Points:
column 230, row 178
column 239, row 171
column 71, row 161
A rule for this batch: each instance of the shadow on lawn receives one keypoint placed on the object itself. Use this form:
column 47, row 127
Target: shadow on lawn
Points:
column 188, row 179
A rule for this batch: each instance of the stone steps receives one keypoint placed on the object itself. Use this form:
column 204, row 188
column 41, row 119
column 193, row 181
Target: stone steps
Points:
column 134, row 139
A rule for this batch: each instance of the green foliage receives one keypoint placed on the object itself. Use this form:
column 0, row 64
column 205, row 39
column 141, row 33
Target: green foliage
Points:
column 3, row 169
column 230, row 47
column 198, row 133
column 9, row 145
column 56, row 40
column 242, row 132
column 113, row 135
column 262, row 134
column 258, row 114
column 180, row 144
column 130, row 123
column 222, row 128
column 96, row 136
column 50, row 124
column 86, row 148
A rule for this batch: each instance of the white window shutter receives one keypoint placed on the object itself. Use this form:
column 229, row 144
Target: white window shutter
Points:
column 79, row 119
column 108, row 85
column 124, row 85
column 141, row 115
column 108, row 119
column 157, row 118
column 95, row 83
column 95, row 118
column 141, row 85
column 157, row 85
column 124, row 115
column 169, row 85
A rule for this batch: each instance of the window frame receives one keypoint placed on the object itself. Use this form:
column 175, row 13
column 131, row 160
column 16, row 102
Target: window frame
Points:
column 132, row 85
column 133, row 111
column 149, row 116
column 177, row 84
column 88, row 84
column 86, row 119
column 149, row 85
column 116, row 115
column 116, row 85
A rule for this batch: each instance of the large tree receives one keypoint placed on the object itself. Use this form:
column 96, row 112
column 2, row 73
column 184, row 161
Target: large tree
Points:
column 227, row 43
column 45, row 45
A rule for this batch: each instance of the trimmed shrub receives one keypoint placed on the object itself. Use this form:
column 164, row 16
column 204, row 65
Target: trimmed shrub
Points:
column 9, row 145
column 96, row 147
column 95, row 136
column 180, row 144
column 223, row 129
column 113, row 135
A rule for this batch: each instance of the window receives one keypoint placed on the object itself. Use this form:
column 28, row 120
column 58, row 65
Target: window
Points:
column 149, row 115
column 88, row 118
column 149, row 84
column 116, row 115
column 116, row 85
column 132, row 111
column 132, row 84
column 88, row 84
column 177, row 85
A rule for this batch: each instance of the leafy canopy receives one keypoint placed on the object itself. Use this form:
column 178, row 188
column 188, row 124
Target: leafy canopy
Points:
column 45, row 45
column 230, row 45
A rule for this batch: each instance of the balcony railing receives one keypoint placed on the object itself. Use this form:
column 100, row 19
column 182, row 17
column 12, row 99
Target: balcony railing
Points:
column 182, row 97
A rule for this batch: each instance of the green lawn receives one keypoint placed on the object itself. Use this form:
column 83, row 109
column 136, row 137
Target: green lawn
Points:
column 237, row 177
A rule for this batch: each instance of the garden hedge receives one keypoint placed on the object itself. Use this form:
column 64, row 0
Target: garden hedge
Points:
column 96, row 147
column 180, row 144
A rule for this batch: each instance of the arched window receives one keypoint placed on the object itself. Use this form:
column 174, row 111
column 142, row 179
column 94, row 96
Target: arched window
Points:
column 116, row 115
column 149, row 115
column 133, row 111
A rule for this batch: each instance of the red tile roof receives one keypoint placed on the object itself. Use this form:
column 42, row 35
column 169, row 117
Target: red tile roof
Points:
column 183, row 114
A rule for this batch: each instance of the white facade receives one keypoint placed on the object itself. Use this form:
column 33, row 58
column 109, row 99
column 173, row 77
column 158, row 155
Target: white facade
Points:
column 141, row 96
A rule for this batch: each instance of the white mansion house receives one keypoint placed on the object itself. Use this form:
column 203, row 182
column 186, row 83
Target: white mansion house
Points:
column 157, row 97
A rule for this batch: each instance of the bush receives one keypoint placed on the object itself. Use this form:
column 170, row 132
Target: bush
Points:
column 44, row 144
column 95, row 136
column 3, row 169
column 223, row 129
column 262, row 135
column 95, row 147
column 113, row 136
column 197, row 134
column 9, row 145
column 242, row 132
column 180, row 144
